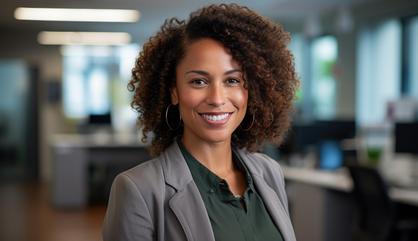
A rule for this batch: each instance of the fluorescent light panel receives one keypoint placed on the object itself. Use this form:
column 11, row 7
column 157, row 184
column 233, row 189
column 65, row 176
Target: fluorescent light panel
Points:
column 77, row 14
column 83, row 38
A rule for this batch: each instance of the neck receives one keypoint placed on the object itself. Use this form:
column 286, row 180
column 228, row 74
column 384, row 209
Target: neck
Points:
column 217, row 157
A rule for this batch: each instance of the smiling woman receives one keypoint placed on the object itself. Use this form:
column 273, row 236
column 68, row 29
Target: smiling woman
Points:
column 211, row 90
column 210, row 93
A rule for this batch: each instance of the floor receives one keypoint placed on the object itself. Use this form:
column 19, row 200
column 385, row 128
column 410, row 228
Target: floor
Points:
column 27, row 215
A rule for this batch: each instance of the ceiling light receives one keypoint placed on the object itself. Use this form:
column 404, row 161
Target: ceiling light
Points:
column 83, row 38
column 77, row 14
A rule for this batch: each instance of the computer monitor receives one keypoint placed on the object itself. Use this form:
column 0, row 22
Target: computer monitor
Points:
column 303, row 135
column 336, row 130
column 406, row 137
column 100, row 119
column 323, row 138
column 298, row 138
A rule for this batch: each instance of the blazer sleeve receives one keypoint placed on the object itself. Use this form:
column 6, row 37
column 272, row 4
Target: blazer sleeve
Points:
column 127, row 217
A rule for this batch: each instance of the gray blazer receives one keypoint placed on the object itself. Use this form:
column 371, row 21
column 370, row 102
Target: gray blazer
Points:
column 158, row 200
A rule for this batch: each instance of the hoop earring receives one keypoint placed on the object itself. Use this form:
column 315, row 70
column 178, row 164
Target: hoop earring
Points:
column 166, row 119
column 248, row 128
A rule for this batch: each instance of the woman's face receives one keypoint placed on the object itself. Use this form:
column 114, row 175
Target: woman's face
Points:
column 210, row 92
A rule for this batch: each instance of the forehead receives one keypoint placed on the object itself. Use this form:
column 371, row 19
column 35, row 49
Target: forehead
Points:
column 207, row 52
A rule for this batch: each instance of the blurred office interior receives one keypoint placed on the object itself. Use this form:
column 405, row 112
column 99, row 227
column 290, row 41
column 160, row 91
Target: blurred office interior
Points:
column 67, row 128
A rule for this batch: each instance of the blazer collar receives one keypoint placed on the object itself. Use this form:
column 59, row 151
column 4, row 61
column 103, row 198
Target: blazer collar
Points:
column 186, row 203
column 176, row 171
column 270, row 198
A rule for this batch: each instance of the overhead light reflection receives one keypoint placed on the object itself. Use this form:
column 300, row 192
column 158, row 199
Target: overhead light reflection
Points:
column 77, row 14
column 83, row 38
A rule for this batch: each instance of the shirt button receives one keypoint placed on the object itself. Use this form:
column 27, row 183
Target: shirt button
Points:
column 211, row 190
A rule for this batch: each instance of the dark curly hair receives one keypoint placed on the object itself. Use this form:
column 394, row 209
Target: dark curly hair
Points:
column 257, row 44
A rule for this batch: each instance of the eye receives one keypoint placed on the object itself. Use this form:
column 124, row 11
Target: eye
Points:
column 198, row 82
column 233, row 81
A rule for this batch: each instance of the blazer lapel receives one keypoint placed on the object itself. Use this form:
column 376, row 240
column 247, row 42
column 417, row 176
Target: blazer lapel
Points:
column 277, row 211
column 190, row 210
column 186, row 204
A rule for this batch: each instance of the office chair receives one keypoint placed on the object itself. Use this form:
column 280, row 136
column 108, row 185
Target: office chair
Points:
column 378, row 219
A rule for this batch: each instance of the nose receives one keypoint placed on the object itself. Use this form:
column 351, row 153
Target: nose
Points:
column 216, row 95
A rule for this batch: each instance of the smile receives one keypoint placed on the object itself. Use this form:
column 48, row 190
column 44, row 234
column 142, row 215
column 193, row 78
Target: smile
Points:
column 216, row 117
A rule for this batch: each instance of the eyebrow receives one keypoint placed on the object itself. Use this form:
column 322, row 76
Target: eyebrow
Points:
column 202, row 72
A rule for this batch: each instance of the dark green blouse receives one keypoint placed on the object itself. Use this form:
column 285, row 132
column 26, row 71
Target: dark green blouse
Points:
column 232, row 218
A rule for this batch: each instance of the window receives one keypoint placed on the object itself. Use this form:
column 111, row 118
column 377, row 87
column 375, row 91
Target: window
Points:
column 297, row 47
column 314, row 63
column 300, row 49
column 324, row 52
column 378, row 70
column 94, row 82
column 412, row 57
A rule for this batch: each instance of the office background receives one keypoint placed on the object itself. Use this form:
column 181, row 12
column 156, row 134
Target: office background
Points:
column 357, row 61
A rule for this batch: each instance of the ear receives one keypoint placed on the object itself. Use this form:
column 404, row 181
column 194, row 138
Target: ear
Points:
column 174, row 96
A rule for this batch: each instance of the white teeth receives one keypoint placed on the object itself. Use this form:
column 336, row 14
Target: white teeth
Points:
column 215, row 117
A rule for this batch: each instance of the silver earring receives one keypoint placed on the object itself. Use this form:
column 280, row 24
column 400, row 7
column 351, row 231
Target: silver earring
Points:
column 252, row 123
column 166, row 119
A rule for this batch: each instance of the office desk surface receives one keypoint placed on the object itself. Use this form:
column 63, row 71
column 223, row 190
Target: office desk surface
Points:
column 340, row 180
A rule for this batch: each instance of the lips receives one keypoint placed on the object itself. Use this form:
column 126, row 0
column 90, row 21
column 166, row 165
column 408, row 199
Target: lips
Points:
column 216, row 118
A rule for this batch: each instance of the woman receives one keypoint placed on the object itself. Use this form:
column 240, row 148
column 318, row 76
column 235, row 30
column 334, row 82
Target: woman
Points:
column 211, row 90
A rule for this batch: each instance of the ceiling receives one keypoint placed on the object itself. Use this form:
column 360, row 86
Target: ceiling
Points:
column 154, row 12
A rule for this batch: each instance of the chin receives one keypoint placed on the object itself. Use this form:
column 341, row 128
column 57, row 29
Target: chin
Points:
column 217, row 137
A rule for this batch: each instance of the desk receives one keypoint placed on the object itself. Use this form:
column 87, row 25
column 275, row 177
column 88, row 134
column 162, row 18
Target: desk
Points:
column 340, row 180
column 321, row 206
column 72, row 155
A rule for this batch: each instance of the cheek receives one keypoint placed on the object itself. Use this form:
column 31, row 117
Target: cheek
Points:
column 188, row 101
column 241, row 98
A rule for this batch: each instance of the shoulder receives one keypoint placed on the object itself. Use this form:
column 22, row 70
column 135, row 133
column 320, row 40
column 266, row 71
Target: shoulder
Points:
column 130, row 213
column 266, row 168
column 137, row 190
column 145, row 177
column 262, row 165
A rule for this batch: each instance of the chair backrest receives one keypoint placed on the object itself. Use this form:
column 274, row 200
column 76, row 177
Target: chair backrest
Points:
column 376, row 210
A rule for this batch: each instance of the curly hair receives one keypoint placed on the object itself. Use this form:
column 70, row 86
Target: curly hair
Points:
column 256, row 43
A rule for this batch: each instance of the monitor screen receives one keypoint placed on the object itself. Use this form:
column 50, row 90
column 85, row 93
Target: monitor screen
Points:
column 100, row 119
column 301, row 136
column 406, row 137
column 336, row 129
column 330, row 155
